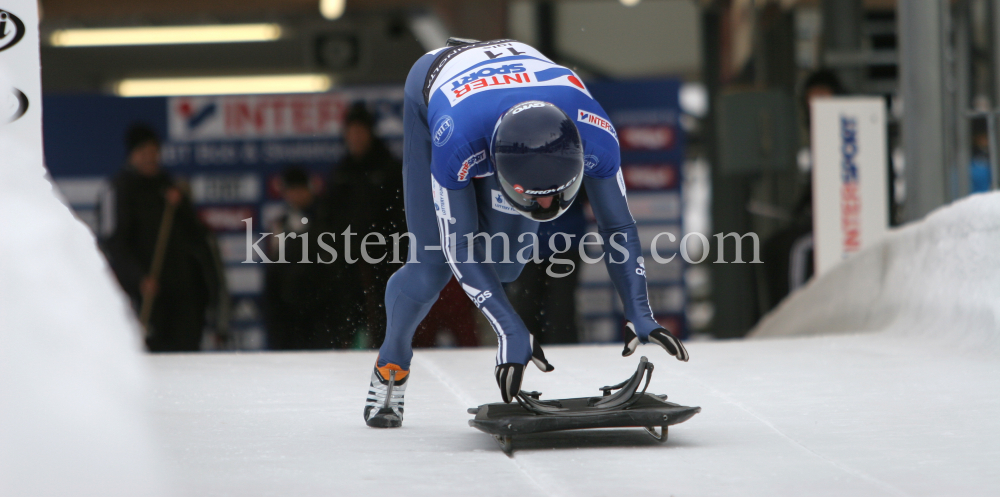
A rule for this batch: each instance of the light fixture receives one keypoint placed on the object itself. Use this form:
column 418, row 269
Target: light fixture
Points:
column 693, row 99
column 630, row 3
column 165, row 35
column 223, row 85
column 331, row 9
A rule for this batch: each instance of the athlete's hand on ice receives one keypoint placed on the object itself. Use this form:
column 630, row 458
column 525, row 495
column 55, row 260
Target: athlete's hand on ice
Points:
column 509, row 376
column 659, row 336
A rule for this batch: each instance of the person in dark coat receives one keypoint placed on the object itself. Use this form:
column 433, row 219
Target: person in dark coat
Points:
column 365, row 192
column 293, row 313
column 789, row 251
column 132, row 211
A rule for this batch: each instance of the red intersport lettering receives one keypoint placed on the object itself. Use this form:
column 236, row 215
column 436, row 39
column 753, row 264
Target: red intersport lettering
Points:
column 473, row 159
column 282, row 115
column 302, row 121
column 850, row 219
column 490, row 81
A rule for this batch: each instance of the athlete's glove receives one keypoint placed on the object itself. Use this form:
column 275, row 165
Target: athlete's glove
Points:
column 659, row 336
column 509, row 376
column 538, row 357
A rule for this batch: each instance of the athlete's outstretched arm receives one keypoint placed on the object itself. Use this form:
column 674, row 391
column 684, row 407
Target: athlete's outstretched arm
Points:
column 458, row 222
column 623, row 259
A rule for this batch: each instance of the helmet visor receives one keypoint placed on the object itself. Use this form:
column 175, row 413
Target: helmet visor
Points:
column 526, row 202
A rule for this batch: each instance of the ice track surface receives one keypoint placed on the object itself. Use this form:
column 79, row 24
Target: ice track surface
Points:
column 846, row 415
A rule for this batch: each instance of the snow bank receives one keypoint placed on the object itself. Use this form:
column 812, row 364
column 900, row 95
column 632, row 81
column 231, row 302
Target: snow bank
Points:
column 938, row 278
column 73, row 414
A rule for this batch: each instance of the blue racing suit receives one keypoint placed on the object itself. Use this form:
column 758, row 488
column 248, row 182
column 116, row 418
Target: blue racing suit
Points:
column 461, row 225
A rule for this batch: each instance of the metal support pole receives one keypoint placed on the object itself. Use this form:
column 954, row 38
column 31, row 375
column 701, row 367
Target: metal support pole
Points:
column 963, row 88
column 948, row 101
column 759, row 50
column 994, row 50
column 991, row 128
column 922, row 89
column 546, row 19
column 842, row 34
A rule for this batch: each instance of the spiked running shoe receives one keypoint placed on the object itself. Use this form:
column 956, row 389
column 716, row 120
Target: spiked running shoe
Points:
column 384, row 407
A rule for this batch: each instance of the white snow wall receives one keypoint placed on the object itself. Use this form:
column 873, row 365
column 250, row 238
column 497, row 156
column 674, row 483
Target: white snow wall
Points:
column 938, row 278
column 73, row 412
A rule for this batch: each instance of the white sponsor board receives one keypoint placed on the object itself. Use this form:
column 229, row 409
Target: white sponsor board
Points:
column 233, row 248
column 665, row 247
column 850, row 201
column 209, row 188
column 245, row 279
column 666, row 299
column 654, row 206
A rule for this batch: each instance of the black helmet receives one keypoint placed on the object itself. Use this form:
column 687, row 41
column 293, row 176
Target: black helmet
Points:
column 537, row 152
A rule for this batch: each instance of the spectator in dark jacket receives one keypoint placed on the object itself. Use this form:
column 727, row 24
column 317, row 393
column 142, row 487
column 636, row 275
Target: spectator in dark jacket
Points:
column 365, row 191
column 788, row 253
column 132, row 212
column 293, row 311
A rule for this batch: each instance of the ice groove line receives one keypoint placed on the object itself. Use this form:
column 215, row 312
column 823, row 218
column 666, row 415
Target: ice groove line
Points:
column 841, row 466
column 467, row 401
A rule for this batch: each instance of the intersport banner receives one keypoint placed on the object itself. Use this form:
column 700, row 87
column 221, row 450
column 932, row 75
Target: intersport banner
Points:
column 850, row 170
